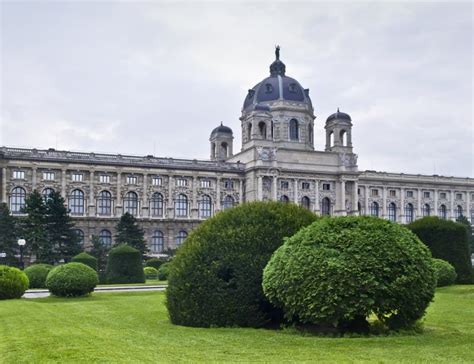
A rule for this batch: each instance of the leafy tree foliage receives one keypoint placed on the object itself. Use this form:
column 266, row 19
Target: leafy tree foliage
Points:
column 34, row 229
column 128, row 232
column 8, row 235
column 470, row 233
column 100, row 251
column 125, row 265
column 86, row 259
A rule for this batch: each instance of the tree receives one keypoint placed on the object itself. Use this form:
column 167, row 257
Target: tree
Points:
column 7, row 235
column 100, row 251
column 470, row 237
column 128, row 232
column 34, row 228
column 60, row 229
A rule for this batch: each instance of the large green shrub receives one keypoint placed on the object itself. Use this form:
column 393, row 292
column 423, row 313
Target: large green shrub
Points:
column 86, row 259
column 151, row 273
column 37, row 274
column 164, row 271
column 72, row 280
column 444, row 272
column 338, row 271
column 216, row 276
column 447, row 240
column 13, row 282
column 155, row 263
column 124, row 265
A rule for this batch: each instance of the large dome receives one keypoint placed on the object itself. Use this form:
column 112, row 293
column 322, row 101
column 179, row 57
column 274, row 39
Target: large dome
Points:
column 276, row 87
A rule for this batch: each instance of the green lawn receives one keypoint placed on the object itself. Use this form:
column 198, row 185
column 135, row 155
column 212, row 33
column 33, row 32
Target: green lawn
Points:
column 149, row 282
column 134, row 327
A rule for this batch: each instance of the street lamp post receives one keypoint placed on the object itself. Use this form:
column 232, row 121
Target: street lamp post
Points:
column 21, row 243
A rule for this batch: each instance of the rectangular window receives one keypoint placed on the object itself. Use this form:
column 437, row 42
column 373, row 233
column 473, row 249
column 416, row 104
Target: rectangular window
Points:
column 48, row 176
column 181, row 182
column 358, row 191
column 229, row 184
column 132, row 180
column 156, row 181
column 458, row 196
column 305, row 186
column 77, row 177
column 393, row 193
column 375, row 193
column 205, row 183
column 103, row 178
column 284, row 184
column 19, row 174
column 426, row 194
column 442, row 195
column 409, row 193
column 326, row 186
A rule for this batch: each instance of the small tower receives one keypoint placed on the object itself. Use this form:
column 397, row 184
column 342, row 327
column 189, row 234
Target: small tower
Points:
column 221, row 143
column 339, row 133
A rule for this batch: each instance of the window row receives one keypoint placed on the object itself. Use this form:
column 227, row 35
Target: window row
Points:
column 409, row 211
column 375, row 192
column 284, row 185
column 326, row 206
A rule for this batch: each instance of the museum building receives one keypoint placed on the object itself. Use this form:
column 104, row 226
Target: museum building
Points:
column 277, row 162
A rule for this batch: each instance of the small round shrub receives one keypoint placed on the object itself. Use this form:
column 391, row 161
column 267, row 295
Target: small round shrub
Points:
column 13, row 282
column 37, row 274
column 164, row 272
column 124, row 265
column 445, row 272
column 215, row 278
column 151, row 273
column 155, row 262
column 72, row 280
column 339, row 271
column 86, row 259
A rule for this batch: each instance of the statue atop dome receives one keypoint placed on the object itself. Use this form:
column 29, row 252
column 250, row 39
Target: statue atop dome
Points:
column 277, row 52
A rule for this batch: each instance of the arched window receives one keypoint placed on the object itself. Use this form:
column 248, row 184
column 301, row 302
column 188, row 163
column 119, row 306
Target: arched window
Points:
column 294, row 130
column 284, row 198
column 157, row 205
column 47, row 194
column 343, row 137
column 182, row 235
column 130, row 203
column 249, row 135
column 262, row 128
column 442, row 213
column 409, row 213
column 305, row 202
column 76, row 202
column 104, row 203
column 310, row 134
column 426, row 210
column 224, row 150
column 80, row 236
column 392, row 212
column 228, row 202
column 458, row 211
column 157, row 242
column 105, row 236
column 374, row 209
column 17, row 200
column 205, row 207
column 181, row 206
column 326, row 206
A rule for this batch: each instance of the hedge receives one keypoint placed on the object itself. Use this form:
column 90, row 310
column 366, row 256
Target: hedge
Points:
column 164, row 271
column 124, row 265
column 215, row 278
column 151, row 273
column 444, row 272
column 447, row 240
column 37, row 274
column 72, row 280
column 86, row 259
column 155, row 262
column 13, row 282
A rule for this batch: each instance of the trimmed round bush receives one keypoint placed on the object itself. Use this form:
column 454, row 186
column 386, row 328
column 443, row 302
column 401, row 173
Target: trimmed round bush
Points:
column 447, row 240
column 155, row 263
column 72, row 280
column 339, row 271
column 124, row 265
column 37, row 274
column 164, row 271
column 215, row 278
column 13, row 282
column 86, row 259
column 151, row 273
column 444, row 272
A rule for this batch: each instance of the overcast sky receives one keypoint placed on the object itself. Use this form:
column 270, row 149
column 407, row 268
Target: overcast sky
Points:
column 155, row 78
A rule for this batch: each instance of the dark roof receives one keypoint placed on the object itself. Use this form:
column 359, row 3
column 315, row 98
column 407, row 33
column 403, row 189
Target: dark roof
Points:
column 222, row 129
column 339, row 115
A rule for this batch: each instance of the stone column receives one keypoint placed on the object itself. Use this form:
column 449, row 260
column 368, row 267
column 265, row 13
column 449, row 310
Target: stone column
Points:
column 402, row 205
column 170, row 197
column 468, row 206
column 451, row 212
column 118, row 206
column 4, row 185
column 275, row 188
column 63, row 183
column 241, row 190
column 418, row 213
column 91, row 209
column 384, row 202
column 355, row 199
column 366, row 197
column 33, row 178
column 145, row 205
column 295, row 197
column 435, row 208
column 317, row 207
column 259, row 188
column 218, row 194
column 342, row 203
column 194, row 208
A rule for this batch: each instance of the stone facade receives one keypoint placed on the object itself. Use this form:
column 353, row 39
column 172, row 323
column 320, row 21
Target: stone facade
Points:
column 277, row 162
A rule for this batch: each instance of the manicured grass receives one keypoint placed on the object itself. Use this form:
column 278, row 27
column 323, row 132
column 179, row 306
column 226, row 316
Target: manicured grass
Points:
column 134, row 327
column 149, row 282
